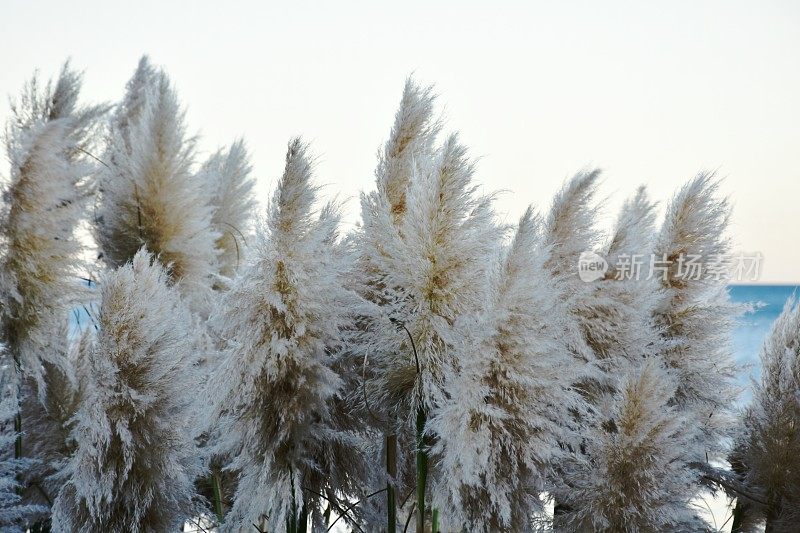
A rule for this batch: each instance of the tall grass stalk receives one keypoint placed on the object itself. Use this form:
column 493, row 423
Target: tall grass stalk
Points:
column 422, row 470
column 18, row 418
column 18, row 441
column 216, row 486
column 391, row 470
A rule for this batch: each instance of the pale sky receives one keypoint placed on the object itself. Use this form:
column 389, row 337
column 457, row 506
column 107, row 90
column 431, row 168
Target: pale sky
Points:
column 651, row 92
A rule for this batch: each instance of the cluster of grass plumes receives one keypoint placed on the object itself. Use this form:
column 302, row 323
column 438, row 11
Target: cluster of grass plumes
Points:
column 134, row 462
column 433, row 366
column 45, row 196
column 767, row 452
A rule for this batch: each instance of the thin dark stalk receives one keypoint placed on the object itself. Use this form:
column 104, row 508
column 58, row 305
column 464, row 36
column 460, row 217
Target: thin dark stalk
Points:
column 44, row 494
column 330, row 503
column 291, row 520
column 237, row 230
column 236, row 241
column 411, row 338
column 216, row 485
column 728, row 519
column 729, row 483
column 197, row 523
column 18, row 416
column 138, row 209
column 422, row 452
column 408, row 497
column 422, row 470
column 93, row 157
column 351, row 506
column 91, row 318
column 410, row 514
column 435, row 521
column 18, row 432
column 391, row 470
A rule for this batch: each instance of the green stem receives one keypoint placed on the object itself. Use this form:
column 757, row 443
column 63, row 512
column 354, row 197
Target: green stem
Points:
column 216, row 485
column 422, row 470
column 391, row 470
column 435, row 521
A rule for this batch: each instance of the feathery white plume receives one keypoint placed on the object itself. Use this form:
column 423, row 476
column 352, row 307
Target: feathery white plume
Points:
column 569, row 227
column 45, row 417
column 46, row 141
column 410, row 147
column 272, row 396
column 135, row 462
column 769, row 447
column 130, row 108
column 634, row 475
column 16, row 516
column 497, row 431
column 411, row 139
column 227, row 174
column 150, row 196
column 695, row 314
column 569, row 230
column 431, row 270
column 617, row 316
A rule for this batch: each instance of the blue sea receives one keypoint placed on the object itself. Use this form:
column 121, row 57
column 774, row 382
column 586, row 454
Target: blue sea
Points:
column 768, row 302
